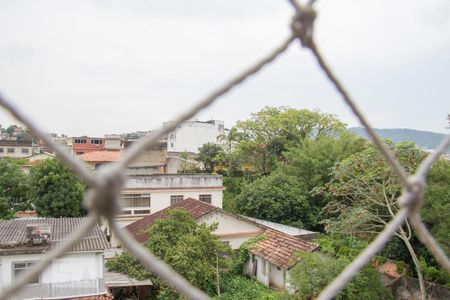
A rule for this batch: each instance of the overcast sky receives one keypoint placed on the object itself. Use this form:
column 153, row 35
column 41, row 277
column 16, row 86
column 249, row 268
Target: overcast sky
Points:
column 96, row 67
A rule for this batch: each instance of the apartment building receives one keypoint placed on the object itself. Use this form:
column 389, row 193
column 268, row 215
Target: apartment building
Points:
column 16, row 149
column 84, row 144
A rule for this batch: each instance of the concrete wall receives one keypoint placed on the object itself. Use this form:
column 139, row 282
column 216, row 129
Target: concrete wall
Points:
column 17, row 152
column 71, row 267
column 231, row 229
column 191, row 135
column 173, row 181
column 266, row 272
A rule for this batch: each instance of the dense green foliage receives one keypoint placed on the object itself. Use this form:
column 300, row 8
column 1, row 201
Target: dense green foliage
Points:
column 237, row 287
column 314, row 271
column 436, row 209
column 55, row 190
column 208, row 156
column 278, row 198
column 14, row 188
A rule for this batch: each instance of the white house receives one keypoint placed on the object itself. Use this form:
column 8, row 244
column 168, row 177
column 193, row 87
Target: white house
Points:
column 191, row 135
column 232, row 229
column 16, row 149
column 271, row 258
column 145, row 195
column 79, row 273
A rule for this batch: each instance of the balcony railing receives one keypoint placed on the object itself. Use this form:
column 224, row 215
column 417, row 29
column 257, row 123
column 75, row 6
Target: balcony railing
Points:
column 59, row 290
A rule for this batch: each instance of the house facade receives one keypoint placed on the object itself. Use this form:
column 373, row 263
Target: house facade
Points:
column 232, row 230
column 271, row 258
column 84, row 144
column 191, row 135
column 16, row 149
column 79, row 273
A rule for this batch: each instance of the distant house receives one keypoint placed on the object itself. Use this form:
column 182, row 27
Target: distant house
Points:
column 16, row 149
column 271, row 258
column 79, row 273
column 232, row 229
column 190, row 135
column 84, row 144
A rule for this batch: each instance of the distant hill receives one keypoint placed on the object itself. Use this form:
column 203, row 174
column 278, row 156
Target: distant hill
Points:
column 424, row 139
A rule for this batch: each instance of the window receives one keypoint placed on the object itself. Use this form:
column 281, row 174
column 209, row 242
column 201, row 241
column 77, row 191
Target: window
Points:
column 227, row 243
column 205, row 198
column 1, row 150
column 25, row 150
column 80, row 141
column 96, row 142
column 19, row 267
column 139, row 203
column 79, row 153
column 11, row 150
column 175, row 199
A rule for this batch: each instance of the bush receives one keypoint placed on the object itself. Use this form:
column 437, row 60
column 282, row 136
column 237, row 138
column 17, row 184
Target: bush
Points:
column 238, row 287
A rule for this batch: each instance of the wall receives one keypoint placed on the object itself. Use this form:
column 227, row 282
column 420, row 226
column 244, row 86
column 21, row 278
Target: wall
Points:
column 231, row 229
column 174, row 181
column 71, row 267
column 191, row 135
column 273, row 276
column 17, row 152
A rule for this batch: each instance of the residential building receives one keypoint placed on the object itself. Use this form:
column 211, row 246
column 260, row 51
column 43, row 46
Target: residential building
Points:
column 16, row 149
column 79, row 273
column 113, row 142
column 84, row 144
column 232, row 229
column 191, row 135
column 272, row 257
column 145, row 195
column 300, row 233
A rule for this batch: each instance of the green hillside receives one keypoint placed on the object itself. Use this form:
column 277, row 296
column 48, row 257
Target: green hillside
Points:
column 424, row 139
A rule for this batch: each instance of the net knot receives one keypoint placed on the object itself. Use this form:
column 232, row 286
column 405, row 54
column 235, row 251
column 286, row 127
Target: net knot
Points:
column 103, row 198
column 415, row 189
column 302, row 25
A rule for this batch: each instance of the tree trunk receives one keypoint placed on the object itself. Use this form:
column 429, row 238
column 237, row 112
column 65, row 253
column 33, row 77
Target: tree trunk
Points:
column 416, row 263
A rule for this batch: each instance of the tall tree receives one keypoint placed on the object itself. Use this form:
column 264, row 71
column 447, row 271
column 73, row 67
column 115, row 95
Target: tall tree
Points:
column 366, row 191
column 208, row 156
column 269, row 132
column 14, row 188
column 55, row 190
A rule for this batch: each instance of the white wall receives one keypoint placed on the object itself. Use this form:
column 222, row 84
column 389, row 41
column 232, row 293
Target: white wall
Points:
column 231, row 229
column 17, row 152
column 273, row 276
column 71, row 267
column 191, row 135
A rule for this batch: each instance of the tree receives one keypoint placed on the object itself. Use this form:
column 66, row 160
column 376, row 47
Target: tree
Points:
column 208, row 156
column 13, row 189
column 190, row 249
column 268, row 133
column 436, row 209
column 55, row 190
column 366, row 191
column 314, row 271
column 278, row 198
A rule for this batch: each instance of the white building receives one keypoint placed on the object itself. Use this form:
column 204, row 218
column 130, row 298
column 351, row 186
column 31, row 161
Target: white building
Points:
column 191, row 135
column 232, row 229
column 16, row 149
column 79, row 273
column 145, row 195
column 273, row 256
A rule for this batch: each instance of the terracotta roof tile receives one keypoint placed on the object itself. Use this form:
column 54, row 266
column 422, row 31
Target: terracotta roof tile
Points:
column 279, row 248
column 195, row 207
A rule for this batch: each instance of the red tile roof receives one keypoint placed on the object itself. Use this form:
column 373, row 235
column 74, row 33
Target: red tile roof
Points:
column 101, row 156
column 195, row 207
column 279, row 248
